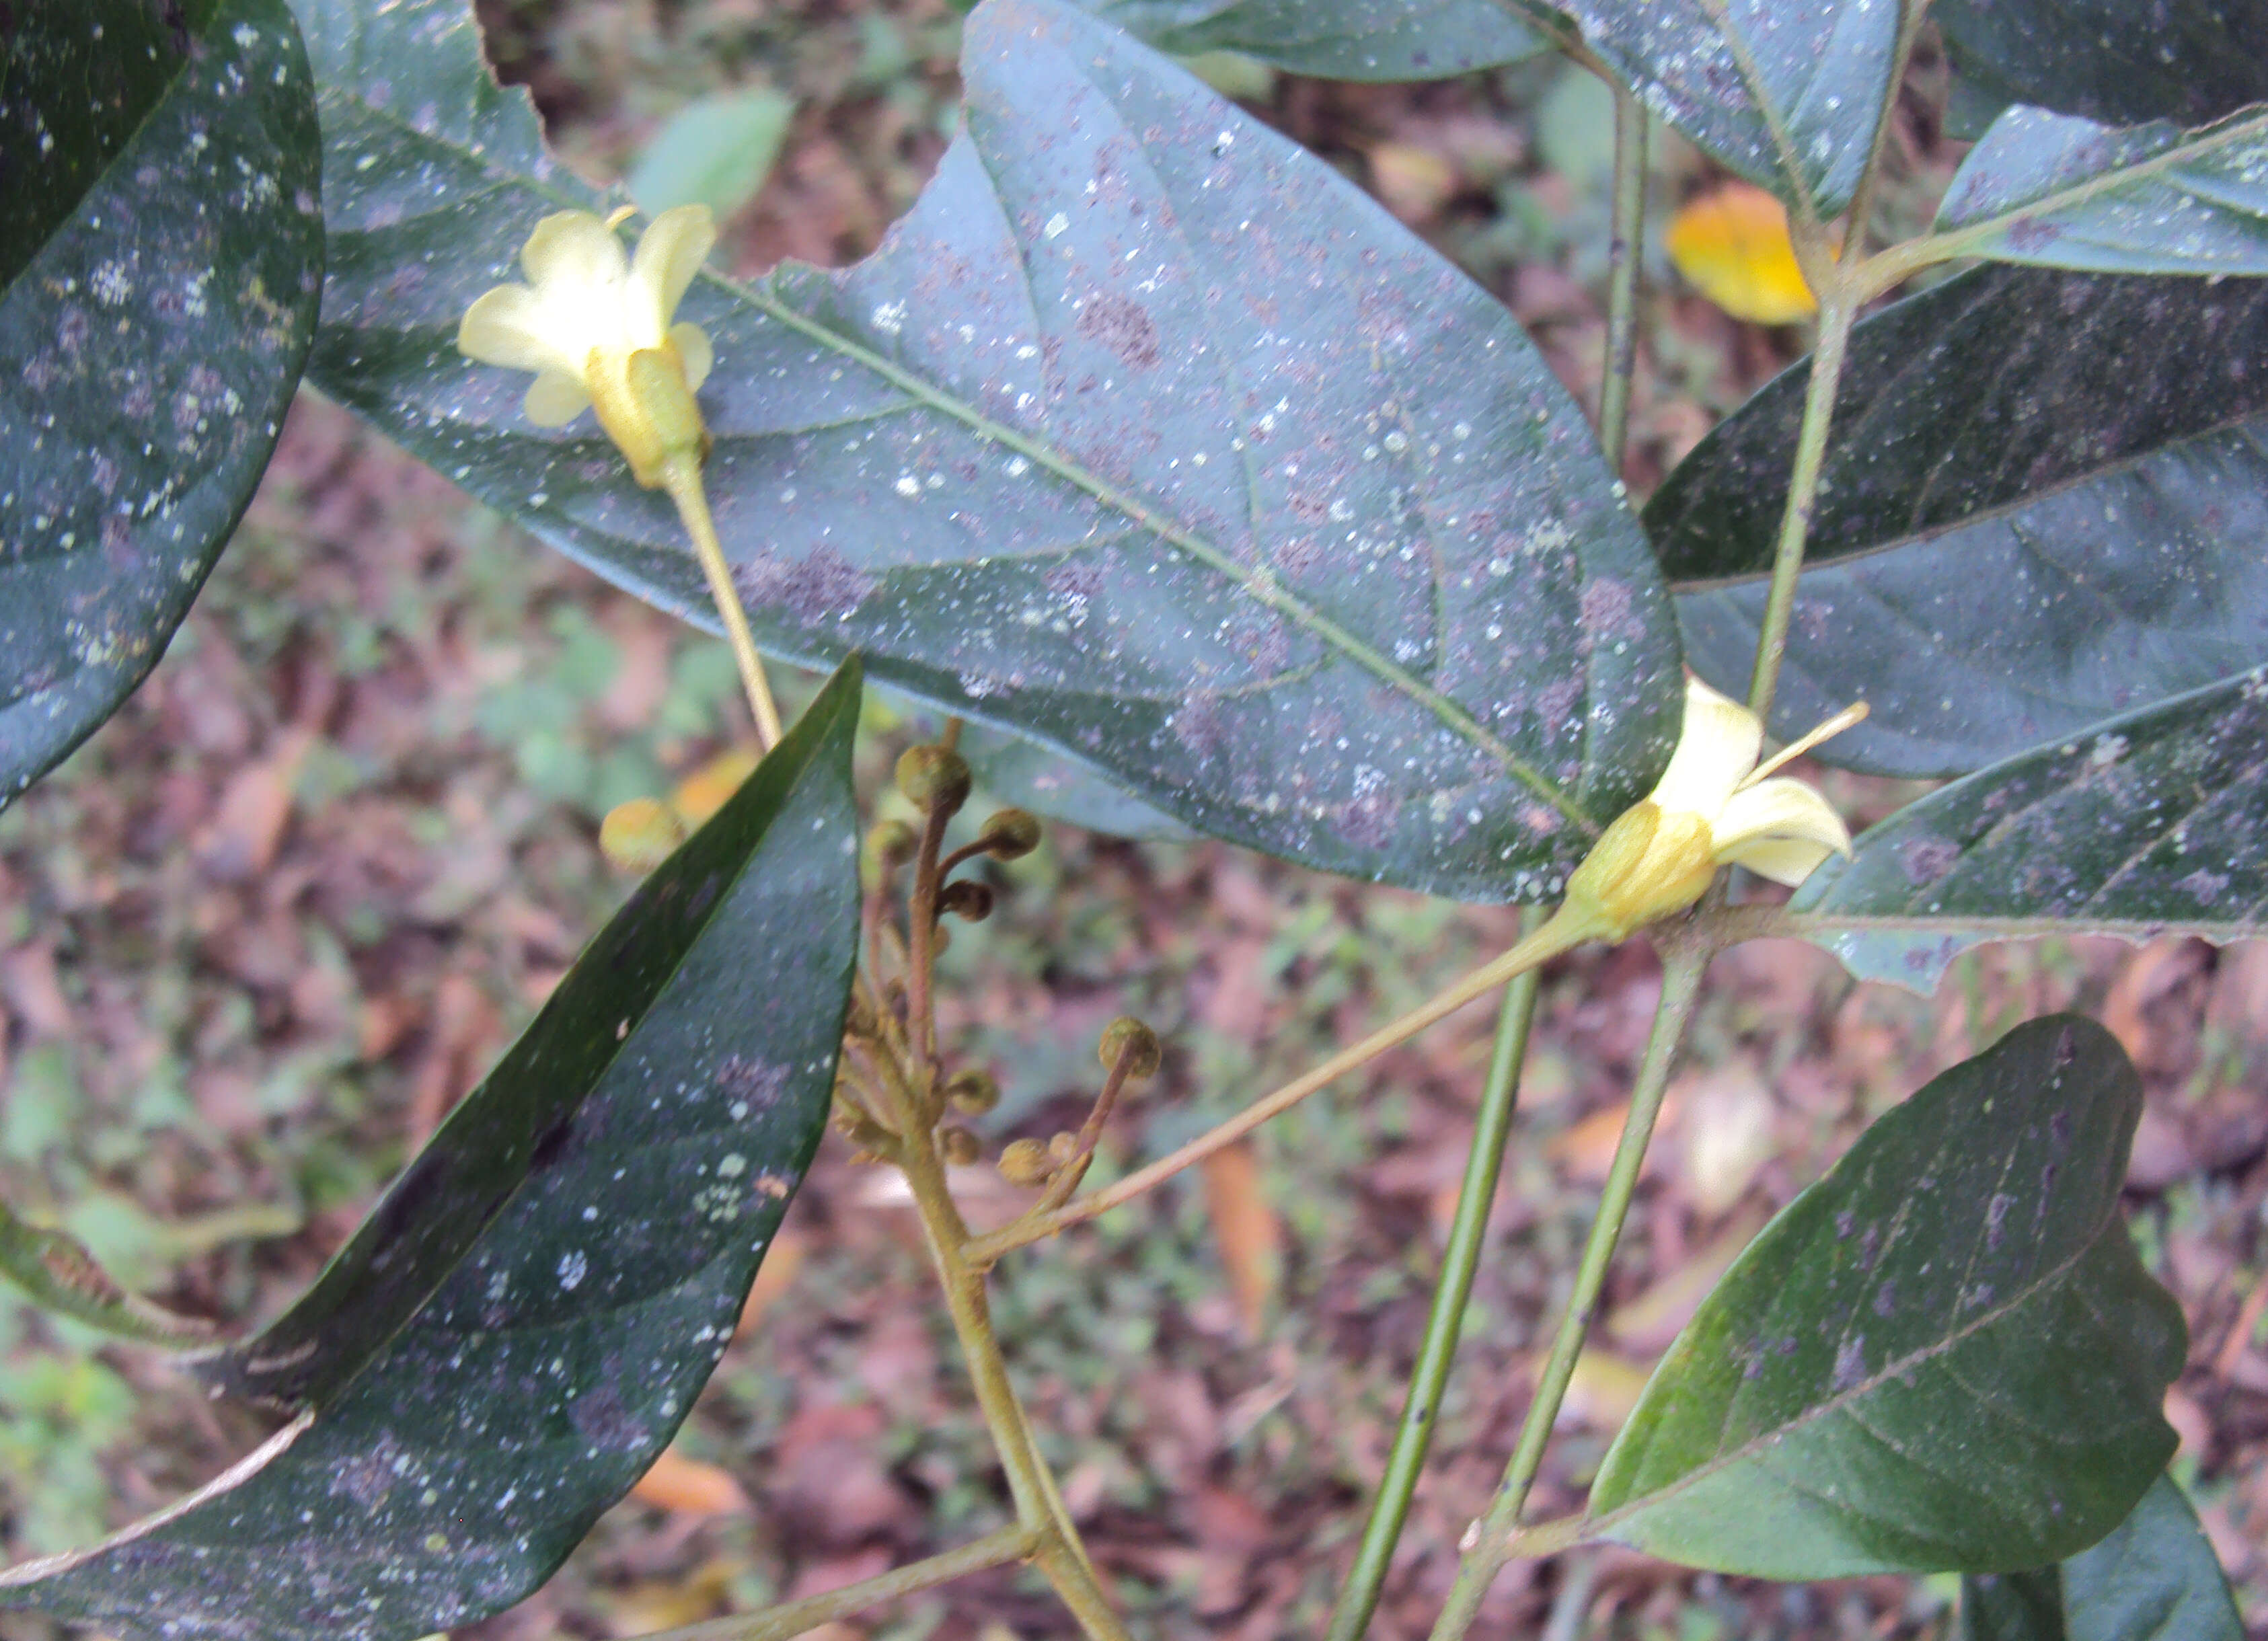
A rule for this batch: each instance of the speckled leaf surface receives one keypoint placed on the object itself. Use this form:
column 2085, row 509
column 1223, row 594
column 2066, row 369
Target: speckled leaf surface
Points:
column 1342, row 40
column 2155, row 1579
column 1146, row 435
column 2154, row 822
column 1944, row 1356
column 2121, row 61
column 2057, row 191
column 2041, row 507
column 162, row 255
column 1786, row 95
column 446, row 1468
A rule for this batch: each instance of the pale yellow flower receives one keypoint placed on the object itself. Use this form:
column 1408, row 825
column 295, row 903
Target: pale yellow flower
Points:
column 1713, row 807
column 596, row 328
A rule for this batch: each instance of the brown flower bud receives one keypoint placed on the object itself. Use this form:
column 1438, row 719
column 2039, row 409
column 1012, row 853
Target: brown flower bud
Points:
column 964, row 898
column 888, row 843
column 1025, row 1162
column 972, row 1091
column 1010, row 835
column 961, row 1146
column 1136, row 1043
column 933, row 778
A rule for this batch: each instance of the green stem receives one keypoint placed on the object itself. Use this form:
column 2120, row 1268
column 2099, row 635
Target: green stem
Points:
column 682, row 480
column 1858, row 218
column 1625, row 240
column 1491, row 1543
column 793, row 1618
column 1460, row 1262
column 1835, row 314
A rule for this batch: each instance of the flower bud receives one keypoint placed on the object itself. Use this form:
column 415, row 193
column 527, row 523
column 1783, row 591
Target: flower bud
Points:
column 960, row 1147
column 1129, row 1039
column 888, row 844
column 966, row 899
column 1025, row 1162
column 973, row 1091
column 933, row 778
column 1010, row 835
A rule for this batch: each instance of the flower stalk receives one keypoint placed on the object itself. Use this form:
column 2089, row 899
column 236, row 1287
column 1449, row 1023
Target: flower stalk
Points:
column 601, row 334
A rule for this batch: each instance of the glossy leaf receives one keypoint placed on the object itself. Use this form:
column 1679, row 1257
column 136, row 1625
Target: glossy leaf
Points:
column 1786, row 95
column 2057, row 191
column 2039, row 509
column 2155, row 822
column 526, row 1317
column 1340, row 40
column 1145, row 436
column 2155, row 1579
column 1944, row 1356
column 2122, row 63
column 162, row 256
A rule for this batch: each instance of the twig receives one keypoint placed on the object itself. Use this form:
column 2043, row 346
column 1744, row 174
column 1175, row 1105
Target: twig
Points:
column 794, row 1618
column 1558, row 936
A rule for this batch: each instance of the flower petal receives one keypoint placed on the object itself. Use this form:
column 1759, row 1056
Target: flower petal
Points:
column 692, row 345
column 670, row 253
column 572, row 248
column 1716, row 749
column 556, row 398
column 507, row 326
column 1759, row 825
column 1780, row 859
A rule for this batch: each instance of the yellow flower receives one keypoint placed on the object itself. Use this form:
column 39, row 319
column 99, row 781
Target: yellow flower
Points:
column 1713, row 807
column 595, row 328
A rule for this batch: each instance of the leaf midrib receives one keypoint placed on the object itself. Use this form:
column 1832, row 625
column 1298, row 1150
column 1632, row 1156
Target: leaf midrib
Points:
column 1594, row 1526
column 1989, row 513
column 1268, row 593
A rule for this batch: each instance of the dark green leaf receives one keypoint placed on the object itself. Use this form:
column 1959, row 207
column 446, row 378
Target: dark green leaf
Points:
column 2057, row 191
column 1944, row 1356
column 2154, row 822
column 571, row 1312
column 162, row 256
column 1145, row 436
column 1785, row 95
column 2040, row 508
column 2155, row 1579
column 1342, row 40
column 2188, row 61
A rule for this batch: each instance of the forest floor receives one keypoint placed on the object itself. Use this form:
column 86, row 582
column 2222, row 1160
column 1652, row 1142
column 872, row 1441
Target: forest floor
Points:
column 260, row 934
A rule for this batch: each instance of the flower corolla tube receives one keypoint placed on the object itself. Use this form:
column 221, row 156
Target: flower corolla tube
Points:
column 1713, row 807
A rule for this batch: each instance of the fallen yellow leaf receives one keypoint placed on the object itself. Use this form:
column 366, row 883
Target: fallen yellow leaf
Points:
column 638, row 835
column 703, row 793
column 700, row 1489
column 1250, row 1237
column 1733, row 245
